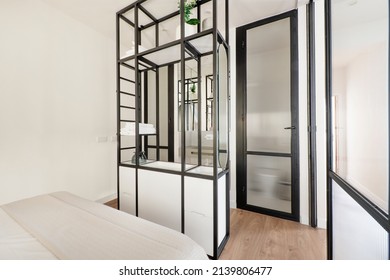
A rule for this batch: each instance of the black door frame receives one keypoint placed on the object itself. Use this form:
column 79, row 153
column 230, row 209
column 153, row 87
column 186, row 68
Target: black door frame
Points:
column 241, row 121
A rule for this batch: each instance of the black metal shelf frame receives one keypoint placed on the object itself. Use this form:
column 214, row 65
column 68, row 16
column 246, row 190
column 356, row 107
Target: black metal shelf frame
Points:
column 143, row 62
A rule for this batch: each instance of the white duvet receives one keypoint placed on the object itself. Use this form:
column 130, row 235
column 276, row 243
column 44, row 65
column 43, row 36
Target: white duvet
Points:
column 63, row 226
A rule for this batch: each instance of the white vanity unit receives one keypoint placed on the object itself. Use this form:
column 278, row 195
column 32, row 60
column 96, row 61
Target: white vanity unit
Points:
column 159, row 198
column 127, row 196
column 201, row 215
column 173, row 146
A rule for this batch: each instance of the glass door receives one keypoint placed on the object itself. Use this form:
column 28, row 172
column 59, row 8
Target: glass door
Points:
column 358, row 119
column 270, row 113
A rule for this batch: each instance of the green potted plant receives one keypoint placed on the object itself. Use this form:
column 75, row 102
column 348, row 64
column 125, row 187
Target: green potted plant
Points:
column 191, row 22
column 193, row 88
column 193, row 91
column 188, row 6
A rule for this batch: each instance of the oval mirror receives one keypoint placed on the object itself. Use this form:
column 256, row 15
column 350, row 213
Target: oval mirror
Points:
column 223, row 107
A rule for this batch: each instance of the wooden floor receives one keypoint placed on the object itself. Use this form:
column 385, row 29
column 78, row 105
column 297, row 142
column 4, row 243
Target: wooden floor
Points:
column 113, row 203
column 259, row 237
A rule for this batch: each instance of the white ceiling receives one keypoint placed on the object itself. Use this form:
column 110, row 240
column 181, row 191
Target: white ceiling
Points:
column 100, row 14
column 348, row 13
column 357, row 26
column 247, row 11
column 97, row 14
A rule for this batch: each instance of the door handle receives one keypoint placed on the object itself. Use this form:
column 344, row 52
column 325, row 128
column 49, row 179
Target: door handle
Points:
column 290, row 127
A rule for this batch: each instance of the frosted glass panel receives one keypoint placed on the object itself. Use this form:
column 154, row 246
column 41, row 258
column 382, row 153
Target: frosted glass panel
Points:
column 163, row 155
column 221, row 17
column 356, row 235
column 127, row 101
column 127, row 155
column 127, row 114
column 269, row 182
column 268, row 87
column 163, row 103
column 360, row 96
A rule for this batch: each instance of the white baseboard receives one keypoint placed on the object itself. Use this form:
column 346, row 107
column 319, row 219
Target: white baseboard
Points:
column 321, row 223
column 304, row 220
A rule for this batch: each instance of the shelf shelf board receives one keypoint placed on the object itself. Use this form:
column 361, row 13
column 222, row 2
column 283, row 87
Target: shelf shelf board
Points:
column 140, row 134
column 161, row 166
column 165, row 165
column 202, row 42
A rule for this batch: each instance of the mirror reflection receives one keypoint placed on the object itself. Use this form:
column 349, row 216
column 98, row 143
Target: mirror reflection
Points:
column 223, row 107
column 190, row 100
column 172, row 104
column 209, row 102
column 198, row 112
column 360, row 95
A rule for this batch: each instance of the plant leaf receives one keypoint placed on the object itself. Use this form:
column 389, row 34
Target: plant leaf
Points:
column 193, row 21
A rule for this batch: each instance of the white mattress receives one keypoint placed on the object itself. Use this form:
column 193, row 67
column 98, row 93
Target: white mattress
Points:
column 63, row 226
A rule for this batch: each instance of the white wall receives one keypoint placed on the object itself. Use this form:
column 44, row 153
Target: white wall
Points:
column 303, row 132
column 367, row 88
column 362, row 103
column 321, row 113
column 57, row 95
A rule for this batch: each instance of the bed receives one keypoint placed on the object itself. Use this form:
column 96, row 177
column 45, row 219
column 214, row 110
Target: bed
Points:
column 64, row 226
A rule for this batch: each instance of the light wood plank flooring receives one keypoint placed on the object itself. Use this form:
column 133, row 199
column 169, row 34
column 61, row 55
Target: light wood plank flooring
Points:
column 112, row 203
column 259, row 237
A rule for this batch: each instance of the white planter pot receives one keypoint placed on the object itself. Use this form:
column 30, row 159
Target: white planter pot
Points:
column 207, row 23
column 189, row 30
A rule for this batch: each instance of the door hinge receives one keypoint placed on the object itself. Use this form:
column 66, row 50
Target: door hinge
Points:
column 243, row 188
column 243, row 44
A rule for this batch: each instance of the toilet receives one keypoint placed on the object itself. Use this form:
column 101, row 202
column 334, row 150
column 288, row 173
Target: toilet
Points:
column 266, row 181
column 284, row 191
